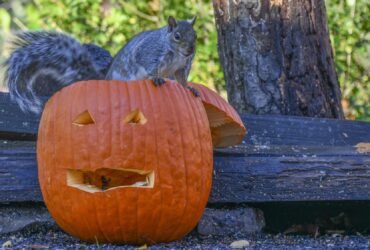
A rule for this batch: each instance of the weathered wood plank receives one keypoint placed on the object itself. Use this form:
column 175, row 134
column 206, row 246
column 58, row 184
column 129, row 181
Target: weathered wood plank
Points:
column 241, row 174
column 262, row 129
column 282, row 159
column 14, row 124
column 293, row 130
column 18, row 172
column 239, row 179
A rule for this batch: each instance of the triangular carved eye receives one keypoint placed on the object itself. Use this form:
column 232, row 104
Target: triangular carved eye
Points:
column 135, row 117
column 83, row 119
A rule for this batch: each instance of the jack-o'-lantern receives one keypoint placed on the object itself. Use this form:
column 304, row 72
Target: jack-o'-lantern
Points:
column 125, row 162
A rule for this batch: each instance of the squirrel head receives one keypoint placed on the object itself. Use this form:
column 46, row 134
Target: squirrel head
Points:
column 182, row 35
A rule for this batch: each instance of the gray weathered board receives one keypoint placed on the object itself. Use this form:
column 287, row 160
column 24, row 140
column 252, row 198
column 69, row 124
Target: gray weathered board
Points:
column 282, row 158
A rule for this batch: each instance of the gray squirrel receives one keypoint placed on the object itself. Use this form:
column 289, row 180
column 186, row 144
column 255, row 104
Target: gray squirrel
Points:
column 156, row 54
column 43, row 62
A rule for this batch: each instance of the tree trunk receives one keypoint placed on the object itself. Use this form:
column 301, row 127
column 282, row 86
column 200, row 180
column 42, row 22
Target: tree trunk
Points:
column 277, row 58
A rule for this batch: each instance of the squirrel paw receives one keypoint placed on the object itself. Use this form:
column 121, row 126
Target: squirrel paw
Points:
column 158, row 81
column 194, row 91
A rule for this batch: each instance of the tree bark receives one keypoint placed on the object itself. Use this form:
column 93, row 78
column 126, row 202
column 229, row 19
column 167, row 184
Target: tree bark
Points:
column 277, row 58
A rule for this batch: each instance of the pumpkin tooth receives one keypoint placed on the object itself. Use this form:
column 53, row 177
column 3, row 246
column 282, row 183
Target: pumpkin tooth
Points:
column 140, row 184
column 106, row 179
column 135, row 117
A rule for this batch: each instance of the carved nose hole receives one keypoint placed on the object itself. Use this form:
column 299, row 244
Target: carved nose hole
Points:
column 83, row 119
column 135, row 117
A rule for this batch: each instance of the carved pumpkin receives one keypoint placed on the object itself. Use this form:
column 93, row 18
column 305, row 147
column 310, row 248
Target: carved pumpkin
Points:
column 125, row 162
column 226, row 126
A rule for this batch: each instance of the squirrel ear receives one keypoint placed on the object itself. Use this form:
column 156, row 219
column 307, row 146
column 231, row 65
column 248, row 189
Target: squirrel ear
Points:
column 192, row 21
column 172, row 23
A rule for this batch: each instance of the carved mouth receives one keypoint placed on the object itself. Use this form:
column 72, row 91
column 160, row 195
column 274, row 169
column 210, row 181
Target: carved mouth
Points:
column 105, row 179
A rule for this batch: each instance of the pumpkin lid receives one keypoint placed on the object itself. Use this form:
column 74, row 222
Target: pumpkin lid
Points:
column 226, row 126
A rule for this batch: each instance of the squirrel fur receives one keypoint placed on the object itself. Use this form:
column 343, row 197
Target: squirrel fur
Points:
column 156, row 54
column 43, row 62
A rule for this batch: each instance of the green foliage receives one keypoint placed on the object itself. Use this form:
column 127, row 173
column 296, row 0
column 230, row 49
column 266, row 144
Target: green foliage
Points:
column 349, row 25
column 11, row 14
column 111, row 23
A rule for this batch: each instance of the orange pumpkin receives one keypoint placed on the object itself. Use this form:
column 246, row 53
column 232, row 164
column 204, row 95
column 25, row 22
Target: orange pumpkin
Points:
column 226, row 126
column 125, row 162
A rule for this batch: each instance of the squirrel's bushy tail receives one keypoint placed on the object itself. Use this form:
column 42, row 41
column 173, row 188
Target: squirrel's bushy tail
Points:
column 42, row 62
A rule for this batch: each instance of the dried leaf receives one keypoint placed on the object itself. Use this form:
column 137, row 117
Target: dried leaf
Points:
column 363, row 147
column 34, row 247
column 143, row 247
column 7, row 244
column 304, row 229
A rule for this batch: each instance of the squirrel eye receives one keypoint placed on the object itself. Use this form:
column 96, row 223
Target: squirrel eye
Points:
column 177, row 36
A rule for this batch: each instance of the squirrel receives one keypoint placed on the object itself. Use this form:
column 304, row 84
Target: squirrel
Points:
column 156, row 54
column 43, row 62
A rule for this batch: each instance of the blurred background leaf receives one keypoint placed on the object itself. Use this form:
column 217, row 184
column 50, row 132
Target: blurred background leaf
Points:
column 349, row 25
column 111, row 23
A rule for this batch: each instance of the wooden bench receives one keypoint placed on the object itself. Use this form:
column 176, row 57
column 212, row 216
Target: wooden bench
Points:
column 282, row 158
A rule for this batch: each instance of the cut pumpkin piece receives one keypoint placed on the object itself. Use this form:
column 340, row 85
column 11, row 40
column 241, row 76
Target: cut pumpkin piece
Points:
column 227, row 128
